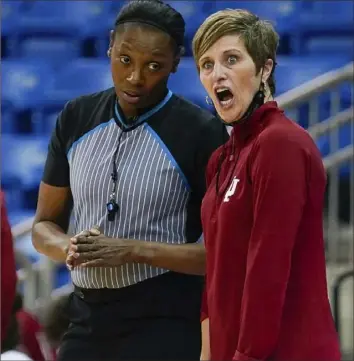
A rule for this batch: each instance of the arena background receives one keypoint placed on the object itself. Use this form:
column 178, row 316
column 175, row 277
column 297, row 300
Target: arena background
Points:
column 53, row 51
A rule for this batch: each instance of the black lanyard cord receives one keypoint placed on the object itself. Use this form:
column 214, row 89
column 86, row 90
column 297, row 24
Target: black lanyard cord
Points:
column 114, row 174
column 112, row 206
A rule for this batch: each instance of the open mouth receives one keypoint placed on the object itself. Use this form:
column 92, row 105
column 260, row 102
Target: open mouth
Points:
column 131, row 97
column 224, row 96
column 132, row 94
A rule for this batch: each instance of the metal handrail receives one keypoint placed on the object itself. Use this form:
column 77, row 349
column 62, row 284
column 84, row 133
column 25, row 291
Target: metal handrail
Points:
column 26, row 276
column 336, row 298
column 331, row 123
column 22, row 228
column 341, row 156
column 312, row 87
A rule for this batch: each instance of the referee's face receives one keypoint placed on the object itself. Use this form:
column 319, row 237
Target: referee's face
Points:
column 142, row 59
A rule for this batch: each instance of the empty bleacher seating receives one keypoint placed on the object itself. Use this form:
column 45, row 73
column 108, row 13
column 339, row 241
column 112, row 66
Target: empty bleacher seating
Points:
column 22, row 160
column 282, row 14
column 23, row 85
column 54, row 51
column 79, row 77
column 194, row 13
column 325, row 26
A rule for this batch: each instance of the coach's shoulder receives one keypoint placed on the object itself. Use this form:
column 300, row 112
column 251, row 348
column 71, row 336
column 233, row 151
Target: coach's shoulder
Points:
column 284, row 136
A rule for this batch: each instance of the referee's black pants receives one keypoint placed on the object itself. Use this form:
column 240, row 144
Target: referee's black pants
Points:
column 157, row 319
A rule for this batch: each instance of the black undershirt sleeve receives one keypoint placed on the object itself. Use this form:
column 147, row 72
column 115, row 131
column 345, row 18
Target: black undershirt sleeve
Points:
column 56, row 170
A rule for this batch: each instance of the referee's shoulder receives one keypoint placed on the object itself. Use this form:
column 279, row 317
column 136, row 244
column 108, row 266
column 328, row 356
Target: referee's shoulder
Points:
column 92, row 101
column 84, row 113
column 193, row 116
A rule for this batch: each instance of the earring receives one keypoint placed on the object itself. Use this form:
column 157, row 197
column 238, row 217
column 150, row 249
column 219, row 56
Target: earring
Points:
column 208, row 100
column 109, row 51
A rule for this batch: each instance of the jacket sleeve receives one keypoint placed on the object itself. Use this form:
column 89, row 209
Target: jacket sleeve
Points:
column 278, row 175
column 8, row 270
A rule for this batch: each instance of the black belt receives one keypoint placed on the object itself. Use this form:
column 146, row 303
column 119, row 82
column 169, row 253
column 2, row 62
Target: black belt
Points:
column 170, row 294
column 137, row 290
column 93, row 295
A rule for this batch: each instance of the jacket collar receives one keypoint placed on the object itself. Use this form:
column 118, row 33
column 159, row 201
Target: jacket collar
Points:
column 253, row 125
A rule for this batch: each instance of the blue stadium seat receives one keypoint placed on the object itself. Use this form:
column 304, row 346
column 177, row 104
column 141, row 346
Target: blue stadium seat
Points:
column 324, row 19
column 7, row 121
column 101, row 32
column 327, row 16
column 82, row 76
column 18, row 216
column 194, row 13
column 283, row 14
column 62, row 17
column 62, row 276
column 22, row 159
column 330, row 45
column 14, row 199
column 292, row 71
column 10, row 11
column 49, row 121
column 55, row 51
column 110, row 10
column 23, row 84
column 187, row 84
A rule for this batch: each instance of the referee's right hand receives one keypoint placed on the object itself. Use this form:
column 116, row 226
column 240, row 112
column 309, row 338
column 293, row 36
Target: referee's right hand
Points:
column 70, row 253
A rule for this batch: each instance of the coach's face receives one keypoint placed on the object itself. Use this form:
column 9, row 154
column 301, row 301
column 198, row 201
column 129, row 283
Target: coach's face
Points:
column 229, row 75
column 142, row 58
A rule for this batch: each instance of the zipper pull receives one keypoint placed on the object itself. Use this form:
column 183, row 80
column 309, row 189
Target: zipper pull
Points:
column 231, row 158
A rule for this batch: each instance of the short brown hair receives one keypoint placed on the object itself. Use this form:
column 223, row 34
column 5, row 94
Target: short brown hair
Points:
column 259, row 36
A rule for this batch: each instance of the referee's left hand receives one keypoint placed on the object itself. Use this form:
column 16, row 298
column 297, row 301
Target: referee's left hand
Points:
column 101, row 251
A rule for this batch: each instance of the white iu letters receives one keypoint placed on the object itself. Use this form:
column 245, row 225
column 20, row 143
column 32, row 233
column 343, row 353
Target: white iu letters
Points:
column 230, row 192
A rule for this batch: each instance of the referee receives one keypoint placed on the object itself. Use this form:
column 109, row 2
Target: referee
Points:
column 131, row 160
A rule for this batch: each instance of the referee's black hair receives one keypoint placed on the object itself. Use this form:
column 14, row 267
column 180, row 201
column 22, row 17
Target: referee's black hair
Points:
column 155, row 13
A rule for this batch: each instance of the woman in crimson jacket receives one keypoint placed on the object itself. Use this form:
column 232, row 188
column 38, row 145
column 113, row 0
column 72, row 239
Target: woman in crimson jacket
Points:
column 266, row 292
column 8, row 270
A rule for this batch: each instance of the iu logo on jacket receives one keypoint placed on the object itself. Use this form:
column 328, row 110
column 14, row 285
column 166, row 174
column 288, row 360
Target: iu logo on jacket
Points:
column 231, row 191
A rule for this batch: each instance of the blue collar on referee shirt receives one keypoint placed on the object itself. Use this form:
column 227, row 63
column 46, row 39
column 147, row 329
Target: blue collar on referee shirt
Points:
column 144, row 117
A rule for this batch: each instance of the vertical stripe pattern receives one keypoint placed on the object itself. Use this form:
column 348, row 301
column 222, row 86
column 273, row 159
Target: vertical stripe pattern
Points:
column 152, row 195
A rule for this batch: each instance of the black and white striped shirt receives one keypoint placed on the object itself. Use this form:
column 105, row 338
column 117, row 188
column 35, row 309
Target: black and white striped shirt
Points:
column 160, row 163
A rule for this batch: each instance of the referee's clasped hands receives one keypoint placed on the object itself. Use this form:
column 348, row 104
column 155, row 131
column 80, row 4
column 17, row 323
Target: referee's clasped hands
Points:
column 92, row 249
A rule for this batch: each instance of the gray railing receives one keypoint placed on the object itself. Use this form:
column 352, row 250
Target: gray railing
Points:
column 339, row 235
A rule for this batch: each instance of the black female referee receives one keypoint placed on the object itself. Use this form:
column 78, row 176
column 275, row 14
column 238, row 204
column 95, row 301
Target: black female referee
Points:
column 131, row 160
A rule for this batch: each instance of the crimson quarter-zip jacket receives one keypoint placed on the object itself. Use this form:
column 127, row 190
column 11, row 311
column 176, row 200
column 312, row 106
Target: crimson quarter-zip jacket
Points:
column 8, row 270
column 266, row 291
